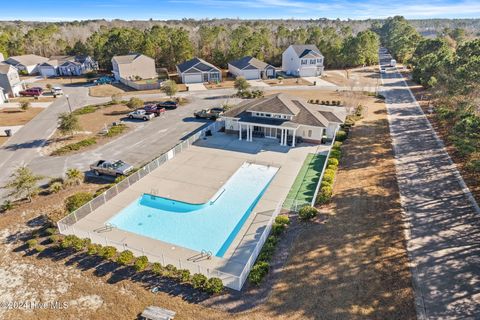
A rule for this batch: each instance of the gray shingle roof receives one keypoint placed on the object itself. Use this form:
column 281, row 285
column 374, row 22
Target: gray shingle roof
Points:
column 303, row 50
column 128, row 58
column 249, row 62
column 196, row 63
column 4, row 68
column 26, row 60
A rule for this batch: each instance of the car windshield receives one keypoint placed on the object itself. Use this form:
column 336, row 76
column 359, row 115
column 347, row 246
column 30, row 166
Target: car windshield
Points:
column 118, row 164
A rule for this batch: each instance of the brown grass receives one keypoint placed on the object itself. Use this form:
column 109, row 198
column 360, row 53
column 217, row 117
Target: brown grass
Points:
column 288, row 82
column 17, row 117
column 222, row 85
column 107, row 90
column 368, row 76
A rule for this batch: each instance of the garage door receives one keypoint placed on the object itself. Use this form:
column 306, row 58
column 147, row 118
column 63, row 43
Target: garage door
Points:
column 193, row 78
column 47, row 72
column 310, row 72
column 251, row 74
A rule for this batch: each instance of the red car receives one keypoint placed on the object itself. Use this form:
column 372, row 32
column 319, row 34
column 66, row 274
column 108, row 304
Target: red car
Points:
column 32, row 92
column 155, row 109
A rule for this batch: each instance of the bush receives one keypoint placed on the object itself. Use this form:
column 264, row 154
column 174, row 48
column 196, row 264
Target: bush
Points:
column 332, row 162
column 68, row 241
column 325, row 183
column 80, row 244
column 199, row 281
column 157, row 268
column 50, row 231
column 108, row 252
column 258, row 272
column 282, row 220
column 93, row 249
column 74, row 146
column 140, row 263
column 335, row 154
column 135, row 103
column 214, row 285
column 329, row 172
column 328, row 178
column 77, row 200
column 327, row 191
column 6, row 205
column 86, row 110
column 39, row 248
column 268, row 249
column 125, row 257
column 184, row 275
column 32, row 243
column 54, row 238
column 307, row 213
column 55, row 187
column 332, row 167
column 278, row 229
column 341, row 136
column 337, row 145
column 116, row 130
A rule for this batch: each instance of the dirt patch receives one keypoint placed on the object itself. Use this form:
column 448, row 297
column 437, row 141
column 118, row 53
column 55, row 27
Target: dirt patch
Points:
column 354, row 266
column 368, row 77
column 221, row 85
column 92, row 125
column 107, row 90
column 288, row 82
column 17, row 117
column 78, row 80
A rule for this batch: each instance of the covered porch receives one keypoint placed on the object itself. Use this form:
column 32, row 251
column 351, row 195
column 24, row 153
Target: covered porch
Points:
column 285, row 133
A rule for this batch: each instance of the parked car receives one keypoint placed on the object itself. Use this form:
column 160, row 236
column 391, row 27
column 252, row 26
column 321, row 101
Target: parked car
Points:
column 168, row 105
column 141, row 114
column 382, row 70
column 155, row 109
column 32, row 92
column 111, row 168
column 219, row 110
column 393, row 63
column 104, row 80
column 57, row 91
column 207, row 114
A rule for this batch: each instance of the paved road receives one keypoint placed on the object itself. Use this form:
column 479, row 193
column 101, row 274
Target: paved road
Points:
column 444, row 220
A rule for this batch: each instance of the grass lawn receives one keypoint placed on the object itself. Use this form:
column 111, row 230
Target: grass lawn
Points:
column 304, row 186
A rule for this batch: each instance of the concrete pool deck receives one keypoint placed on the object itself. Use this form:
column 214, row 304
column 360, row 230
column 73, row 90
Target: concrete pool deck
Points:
column 194, row 176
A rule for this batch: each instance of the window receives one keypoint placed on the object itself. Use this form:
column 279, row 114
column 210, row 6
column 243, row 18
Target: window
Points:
column 312, row 61
column 268, row 115
column 319, row 60
column 304, row 61
column 309, row 133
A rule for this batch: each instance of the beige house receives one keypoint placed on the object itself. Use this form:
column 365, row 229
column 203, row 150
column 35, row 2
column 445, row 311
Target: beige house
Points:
column 133, row 67
column 288, row 119
column 10, row 80
column 27, row 63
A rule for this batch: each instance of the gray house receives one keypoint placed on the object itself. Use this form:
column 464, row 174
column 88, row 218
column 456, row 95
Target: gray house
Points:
column 10, row 80
column 197, row 70
column 67, row 66
column 251, row 68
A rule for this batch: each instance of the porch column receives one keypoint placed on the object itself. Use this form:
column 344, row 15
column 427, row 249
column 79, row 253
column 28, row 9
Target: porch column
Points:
column 281, row 137
column 285, row 142
column 239, row 131
column 293, row 141
column 251, row 133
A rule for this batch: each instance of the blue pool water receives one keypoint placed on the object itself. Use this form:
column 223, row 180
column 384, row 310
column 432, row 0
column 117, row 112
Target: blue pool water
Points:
column 211, row 226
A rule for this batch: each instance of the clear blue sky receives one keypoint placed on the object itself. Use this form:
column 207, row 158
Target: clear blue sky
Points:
column 58, row 10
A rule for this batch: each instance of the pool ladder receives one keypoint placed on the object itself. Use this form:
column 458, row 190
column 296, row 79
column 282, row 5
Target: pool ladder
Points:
column 204, row 254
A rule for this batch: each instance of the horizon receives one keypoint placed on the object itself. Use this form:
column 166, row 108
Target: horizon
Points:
column 144, row 10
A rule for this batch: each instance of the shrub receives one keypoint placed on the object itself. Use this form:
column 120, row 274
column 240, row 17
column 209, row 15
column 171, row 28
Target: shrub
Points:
column 55, row 187
column 277, row 228
column 86, row 110
column 327, row 191
column 307, row 213
column 74, row 146
column 68, row 241
column 170, row 270
column 323, row 102
column 258, row 272
column 6, row 205
column 54, row 238
column 214, row 285
column 77, row 200
column 335, row 154
column 93, row 249
column 282, row 220
column 268, row 249
column 199, row 281
column 135, row 103
column 341, row 136
column 125, row 257
column 108, row 252
column 140, row 263
column 116, row 130
column 332, row 167
column 50, row 231
column 80, row 244
column 325, row 183
column 119, row 178
column 157, row 268
column 32, row 243
column 184, row 275
column 25, row 104
column 328, row 178
column 332, row 162
column 337, row 145
column 329, row 172
column 39, row 248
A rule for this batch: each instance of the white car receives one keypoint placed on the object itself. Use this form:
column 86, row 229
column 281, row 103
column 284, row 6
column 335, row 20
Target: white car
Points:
column 382, row 70
column 57, row 91
column 141, row 114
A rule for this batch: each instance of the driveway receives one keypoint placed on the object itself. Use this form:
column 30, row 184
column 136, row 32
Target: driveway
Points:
column 320, row 82
column 257, row 83
column 196, row 87
column 443, row 234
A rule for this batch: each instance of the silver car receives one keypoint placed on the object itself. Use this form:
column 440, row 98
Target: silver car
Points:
column 111, row 168
column 141, row 114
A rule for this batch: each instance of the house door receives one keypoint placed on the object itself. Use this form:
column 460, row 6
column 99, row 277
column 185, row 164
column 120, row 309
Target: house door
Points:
column 205, row 77
column 270, row 132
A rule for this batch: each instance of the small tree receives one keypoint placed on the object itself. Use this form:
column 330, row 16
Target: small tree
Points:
column 25, row 104
column 23, row 183
column 74, row 177
column 135, row 103
column 116, row 98
column 241, row 84
column 170, row 88
column 49, row 86
column 68, row 123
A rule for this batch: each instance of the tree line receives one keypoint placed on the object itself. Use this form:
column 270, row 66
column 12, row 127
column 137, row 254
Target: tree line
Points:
column 449, row 66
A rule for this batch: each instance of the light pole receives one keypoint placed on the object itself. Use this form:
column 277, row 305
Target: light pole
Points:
column 69, row 106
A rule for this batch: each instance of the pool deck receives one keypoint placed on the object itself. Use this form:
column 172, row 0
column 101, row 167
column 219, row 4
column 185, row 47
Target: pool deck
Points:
column 194, row 176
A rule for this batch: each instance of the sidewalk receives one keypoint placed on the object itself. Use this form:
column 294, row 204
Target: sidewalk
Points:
column 442, row 217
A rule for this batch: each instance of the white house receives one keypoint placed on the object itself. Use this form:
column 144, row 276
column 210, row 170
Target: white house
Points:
column 27, row 63
column 3, row 96
column 10, row 80
column 302, row 61
column 286, row 118
column 197, row 70
column 251, row 68
column 133, row 66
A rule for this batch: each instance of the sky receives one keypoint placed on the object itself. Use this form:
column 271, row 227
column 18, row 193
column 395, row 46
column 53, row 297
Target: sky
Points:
column 65, row 10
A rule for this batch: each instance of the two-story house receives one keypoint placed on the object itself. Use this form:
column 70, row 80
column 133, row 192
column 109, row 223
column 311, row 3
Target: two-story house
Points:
column 302, row 61
column 286, row 118
column 10, row 80
column 133, row 66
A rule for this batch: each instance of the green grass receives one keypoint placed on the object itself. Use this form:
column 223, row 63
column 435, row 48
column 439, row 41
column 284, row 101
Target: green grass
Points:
column 86, row 110
column 116, row 130
column 303, row 189
column 74, row 146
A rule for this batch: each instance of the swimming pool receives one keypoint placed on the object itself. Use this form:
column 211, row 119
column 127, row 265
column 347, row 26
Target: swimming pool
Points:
column 210, row 226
